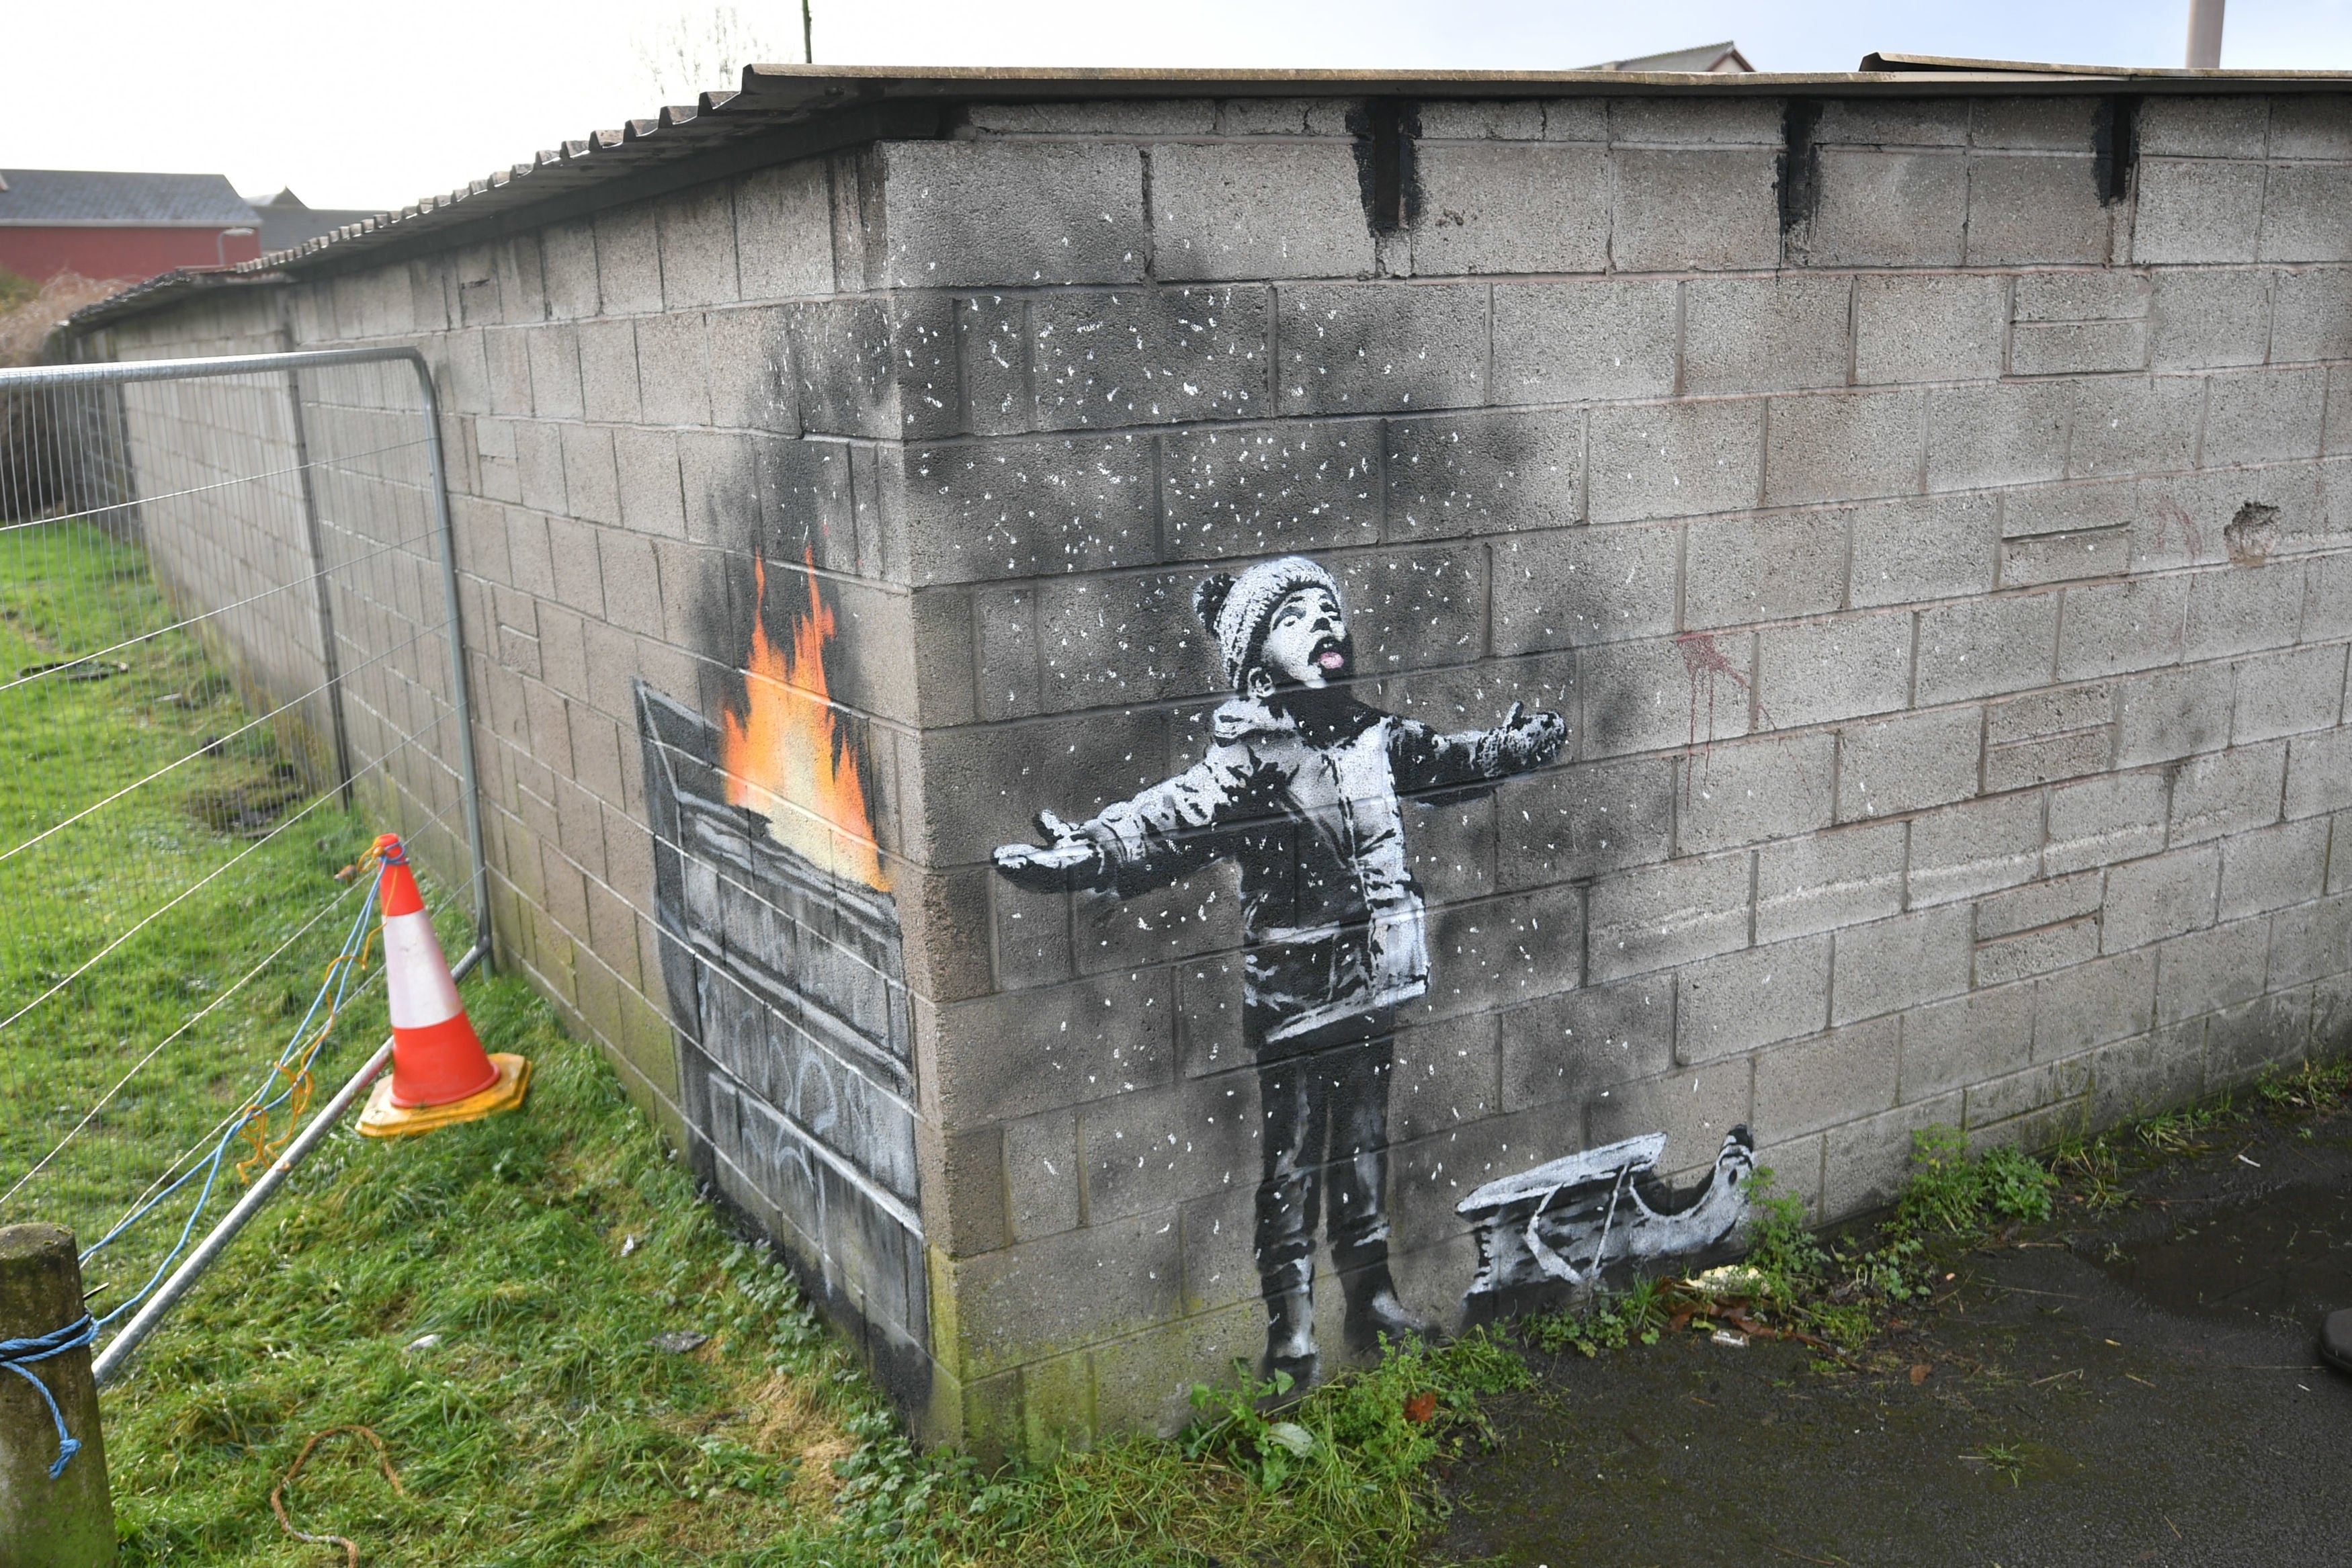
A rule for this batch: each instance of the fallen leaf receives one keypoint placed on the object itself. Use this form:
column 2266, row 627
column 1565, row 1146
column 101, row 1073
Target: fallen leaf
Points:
column 1421, row 1406
column 1919, row 1374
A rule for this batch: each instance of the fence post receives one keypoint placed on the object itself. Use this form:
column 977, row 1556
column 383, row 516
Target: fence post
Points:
column 68, row 1522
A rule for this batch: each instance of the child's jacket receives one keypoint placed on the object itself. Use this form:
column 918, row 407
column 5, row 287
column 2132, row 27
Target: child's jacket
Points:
column 1332, row 917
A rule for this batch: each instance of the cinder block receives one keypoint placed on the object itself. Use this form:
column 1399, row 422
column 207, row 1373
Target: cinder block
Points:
column 2310, row 941
column 1691, row 691
column 1963, row 851
column 568, row 266
column 2037, row 952
column 674, row 369
column 1294, row 487
column 1700, row 210
column 1149, row 356
column 1985, row 646
column 2150, row 900
column 1575, row 822
column 1008, row 509
column 608, row 372
column 2241, row 610
column 628, row 260
column 1580, row 1045
column 554, row 370
column 2274, row 867
column 1110, row 116
column 2200, row 319
column 1741, row 570
column 1520, row 120
column 2232, row 127
column 1484, row 473
column 1690, row 122
column 1762, row 788
column 2111, row 628
column 1444, row 1074
column 2288, row 693
column 2309, row 126
column 1107, row 641
column 2101, row 822
column 1274, row 210
column 1693, row 1107
column 2048, row 124
column 1381, row 348
column 1905, row 764
column 1580, row 586
column 2047, row 902
column 2327, row 600
column 1833, row 1077
column 2227, row 792
column 1148, row 1148
column 1733, row 1004
column 783, row 231
column 2311, row 314
column 652, row 494
column 1824, row 881
column 1022, row 1052
column 1765, row 334
column 1576, row 119
column 697, row 231
column 1928, row 328
column 1659, row 916
column 1498, row 951
column 2258, row 1036
column 1899, row 963
column 1527, row 207
column 2010, row 433
column 1912, row 550
column 2172, row 713
column 2306, row 210
column 2003, row 1110
column 1680, row 459
column 1844, row 446
column 1573, row 341
column 2076, row 348
column 1866, row 1163
column 2038, row 208
column 1822, row 672
column 751, row 383
column 1876, row 208
column 2063, row 558
column 1968, row 1040
column 2197, row 209
column 591, row 477
column 2091, row 1004
column 507, row 362
column 2319, row 773
column 962, row 215
column 2263, row 416
column 539, row 465
column 2127, row 426
column 1017, row 1304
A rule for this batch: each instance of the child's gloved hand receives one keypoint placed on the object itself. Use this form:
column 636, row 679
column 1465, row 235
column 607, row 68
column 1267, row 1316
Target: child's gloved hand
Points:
column 1071, row 860
column 1531, row 739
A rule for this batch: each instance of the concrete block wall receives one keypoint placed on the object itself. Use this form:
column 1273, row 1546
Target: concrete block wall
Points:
column 1921, row 511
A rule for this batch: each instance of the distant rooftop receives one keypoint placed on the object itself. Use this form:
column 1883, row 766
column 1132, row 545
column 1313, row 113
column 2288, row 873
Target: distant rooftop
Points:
column 287, row 221
column 1709, row 59
column 94, row 198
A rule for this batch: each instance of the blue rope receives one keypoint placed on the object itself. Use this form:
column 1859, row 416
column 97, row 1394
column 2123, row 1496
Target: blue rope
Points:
column 15, row 1353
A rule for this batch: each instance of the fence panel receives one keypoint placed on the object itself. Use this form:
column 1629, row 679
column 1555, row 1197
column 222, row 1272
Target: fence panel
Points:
column 229, row 655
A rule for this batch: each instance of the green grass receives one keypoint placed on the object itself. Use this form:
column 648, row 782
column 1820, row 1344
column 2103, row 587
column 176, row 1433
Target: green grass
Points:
column 544, row 1254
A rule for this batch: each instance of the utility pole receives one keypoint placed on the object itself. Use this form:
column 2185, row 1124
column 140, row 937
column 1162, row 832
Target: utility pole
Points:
column 2205, row 35
column 808, row 35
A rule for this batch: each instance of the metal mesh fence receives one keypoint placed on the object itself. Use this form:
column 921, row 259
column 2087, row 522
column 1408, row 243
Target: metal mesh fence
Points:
column 226, row 661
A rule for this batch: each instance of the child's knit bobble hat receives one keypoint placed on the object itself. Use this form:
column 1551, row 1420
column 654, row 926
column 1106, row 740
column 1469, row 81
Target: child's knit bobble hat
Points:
column 1236, row 610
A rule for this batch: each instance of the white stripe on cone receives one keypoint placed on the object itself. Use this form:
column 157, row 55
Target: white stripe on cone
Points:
column 415, row 975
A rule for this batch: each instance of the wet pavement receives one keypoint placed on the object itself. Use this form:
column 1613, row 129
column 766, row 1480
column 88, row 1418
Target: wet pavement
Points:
column 2140, row 1388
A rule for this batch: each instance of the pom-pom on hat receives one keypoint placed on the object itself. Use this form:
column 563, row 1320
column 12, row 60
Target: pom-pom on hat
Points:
column 1236, row 610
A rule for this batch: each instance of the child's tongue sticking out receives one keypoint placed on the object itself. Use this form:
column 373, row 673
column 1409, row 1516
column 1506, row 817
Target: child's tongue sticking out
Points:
column 1332, row 658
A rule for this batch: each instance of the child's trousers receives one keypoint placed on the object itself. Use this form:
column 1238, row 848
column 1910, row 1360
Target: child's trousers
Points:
column 1323, row 1100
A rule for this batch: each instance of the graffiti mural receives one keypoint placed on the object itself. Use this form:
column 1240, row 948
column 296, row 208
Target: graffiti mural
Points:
column 783, row 962
column 1307, row 790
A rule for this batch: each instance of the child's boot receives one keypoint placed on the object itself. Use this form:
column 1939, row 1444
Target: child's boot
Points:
column 1290, row 1326
column 1374, row 1312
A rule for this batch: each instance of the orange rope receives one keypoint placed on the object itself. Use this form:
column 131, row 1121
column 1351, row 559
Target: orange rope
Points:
column 278, row 1493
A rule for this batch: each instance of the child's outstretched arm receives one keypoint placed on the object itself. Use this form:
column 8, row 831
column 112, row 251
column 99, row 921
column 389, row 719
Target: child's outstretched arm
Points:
column 1162, row 834
column 1424, row 759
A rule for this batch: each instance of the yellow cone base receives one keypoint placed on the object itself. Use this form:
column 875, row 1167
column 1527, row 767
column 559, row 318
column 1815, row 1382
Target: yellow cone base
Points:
column 383, row 1119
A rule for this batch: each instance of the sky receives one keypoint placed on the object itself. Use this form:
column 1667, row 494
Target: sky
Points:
column 375, row 106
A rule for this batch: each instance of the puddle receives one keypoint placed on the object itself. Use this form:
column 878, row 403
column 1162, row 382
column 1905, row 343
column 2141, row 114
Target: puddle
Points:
column 2283, row 1258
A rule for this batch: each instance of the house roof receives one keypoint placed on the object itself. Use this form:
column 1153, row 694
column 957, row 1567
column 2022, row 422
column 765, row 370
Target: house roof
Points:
column 97, row 198
column 286, row 221
column 782, row 112
column 1724, row 56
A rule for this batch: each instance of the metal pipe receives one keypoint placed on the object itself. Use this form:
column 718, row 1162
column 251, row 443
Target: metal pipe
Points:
column 110, row 1361
column 329, row 658
column 2205, row 35
column 458, row 697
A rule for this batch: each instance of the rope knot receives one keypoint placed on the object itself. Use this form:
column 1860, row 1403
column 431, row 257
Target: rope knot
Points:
column 16, row 1353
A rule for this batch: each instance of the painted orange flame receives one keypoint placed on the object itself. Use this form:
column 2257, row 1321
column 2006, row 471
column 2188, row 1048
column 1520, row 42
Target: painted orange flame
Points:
column 788, row 756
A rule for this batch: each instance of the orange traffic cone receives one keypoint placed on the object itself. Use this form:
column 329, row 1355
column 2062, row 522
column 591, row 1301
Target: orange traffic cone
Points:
column 440, row 1075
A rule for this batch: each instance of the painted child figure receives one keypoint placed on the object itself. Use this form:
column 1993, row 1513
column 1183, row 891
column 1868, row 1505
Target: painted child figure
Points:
column 1304, row 788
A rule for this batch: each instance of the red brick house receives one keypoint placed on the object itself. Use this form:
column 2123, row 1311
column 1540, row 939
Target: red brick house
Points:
column 103, row 224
